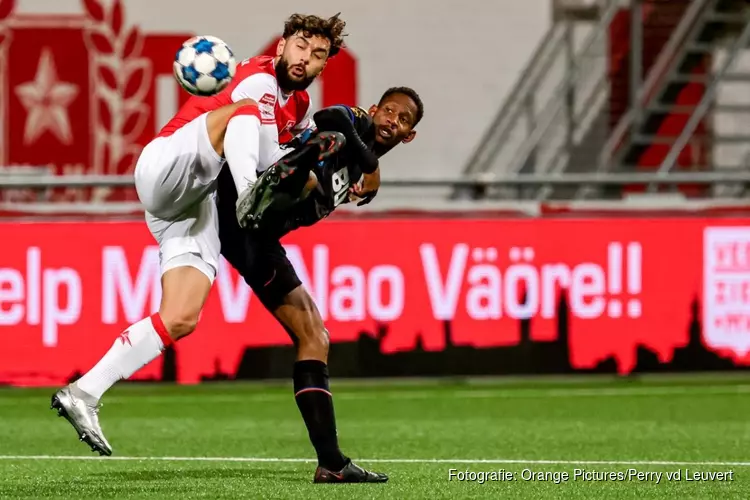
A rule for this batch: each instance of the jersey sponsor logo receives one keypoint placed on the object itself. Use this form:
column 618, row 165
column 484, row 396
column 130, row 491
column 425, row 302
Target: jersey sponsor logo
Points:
column 340, row 184
column 268, row 99
column 267, row 105
column 290, row 126
column 360, row 112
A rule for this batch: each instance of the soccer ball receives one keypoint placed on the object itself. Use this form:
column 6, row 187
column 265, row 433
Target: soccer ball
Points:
column 204, row 65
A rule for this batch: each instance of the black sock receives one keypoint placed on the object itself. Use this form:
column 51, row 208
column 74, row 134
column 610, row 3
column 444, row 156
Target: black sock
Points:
column 313, row 396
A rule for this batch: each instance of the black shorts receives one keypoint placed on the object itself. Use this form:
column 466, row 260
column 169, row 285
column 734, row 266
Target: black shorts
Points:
column 260, row 259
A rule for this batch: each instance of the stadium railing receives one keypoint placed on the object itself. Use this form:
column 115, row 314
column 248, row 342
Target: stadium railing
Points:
column 611, row 179
column 415, row 194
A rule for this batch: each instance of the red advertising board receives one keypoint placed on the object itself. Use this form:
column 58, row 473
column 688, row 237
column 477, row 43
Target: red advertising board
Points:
column 68, row 289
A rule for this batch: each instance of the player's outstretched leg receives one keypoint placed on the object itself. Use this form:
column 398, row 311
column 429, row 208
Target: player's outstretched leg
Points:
column 270, row 193
column 183, row 220
column 79, row 401
column 299, row 316
column 184, row 292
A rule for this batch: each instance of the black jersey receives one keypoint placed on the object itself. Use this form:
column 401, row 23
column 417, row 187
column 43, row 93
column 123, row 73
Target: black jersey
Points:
column 336, row 175
column 258, row 255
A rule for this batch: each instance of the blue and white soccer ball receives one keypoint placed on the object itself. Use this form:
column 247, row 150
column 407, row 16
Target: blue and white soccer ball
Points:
column 204, row 65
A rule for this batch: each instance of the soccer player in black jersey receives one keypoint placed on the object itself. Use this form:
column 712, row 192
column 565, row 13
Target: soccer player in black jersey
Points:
column 298, row 191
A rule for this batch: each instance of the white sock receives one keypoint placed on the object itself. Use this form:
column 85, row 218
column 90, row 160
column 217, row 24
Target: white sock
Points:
column 137, row 346
column 241, row 146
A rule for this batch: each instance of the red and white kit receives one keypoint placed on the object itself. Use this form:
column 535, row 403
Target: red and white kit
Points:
column 175, row 176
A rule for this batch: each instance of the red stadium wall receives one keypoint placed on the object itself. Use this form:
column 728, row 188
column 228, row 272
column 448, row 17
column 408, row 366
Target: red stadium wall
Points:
column 476, row 296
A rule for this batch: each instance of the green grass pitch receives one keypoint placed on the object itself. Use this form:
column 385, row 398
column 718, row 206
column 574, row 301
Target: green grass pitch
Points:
column 229, row 441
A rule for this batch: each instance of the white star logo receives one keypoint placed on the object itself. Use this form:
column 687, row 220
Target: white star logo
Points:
column 46, row 101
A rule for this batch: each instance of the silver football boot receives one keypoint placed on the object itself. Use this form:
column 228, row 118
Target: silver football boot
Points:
column 82, row 411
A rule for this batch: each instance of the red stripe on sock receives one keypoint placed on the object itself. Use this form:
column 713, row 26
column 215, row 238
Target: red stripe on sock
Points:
column 310, row 389
column 161, row 330
column 247, row 110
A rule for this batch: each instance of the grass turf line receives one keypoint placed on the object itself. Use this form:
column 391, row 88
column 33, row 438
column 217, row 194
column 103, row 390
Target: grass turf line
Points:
column 685, row 420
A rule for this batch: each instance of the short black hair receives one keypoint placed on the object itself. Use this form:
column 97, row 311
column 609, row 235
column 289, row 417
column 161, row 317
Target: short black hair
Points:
column 411, row 94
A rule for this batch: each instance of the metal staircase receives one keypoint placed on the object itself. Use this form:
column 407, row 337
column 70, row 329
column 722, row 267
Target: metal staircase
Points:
column 661, row 133
column 569, row 114
column 555, row 102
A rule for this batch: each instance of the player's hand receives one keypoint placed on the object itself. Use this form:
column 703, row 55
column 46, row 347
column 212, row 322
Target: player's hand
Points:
column 370, row 184
column 362, row 201
column 366, row 190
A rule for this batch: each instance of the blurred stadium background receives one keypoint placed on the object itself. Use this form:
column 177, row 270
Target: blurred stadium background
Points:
column 576, row 202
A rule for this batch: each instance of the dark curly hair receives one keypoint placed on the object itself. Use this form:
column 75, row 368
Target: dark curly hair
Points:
column 331, row 28
column 411, row 94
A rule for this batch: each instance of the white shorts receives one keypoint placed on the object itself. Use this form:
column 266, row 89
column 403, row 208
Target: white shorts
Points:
column 175, row 178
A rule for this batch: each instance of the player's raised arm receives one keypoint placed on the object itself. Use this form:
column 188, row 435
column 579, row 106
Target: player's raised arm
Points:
column 343, row 119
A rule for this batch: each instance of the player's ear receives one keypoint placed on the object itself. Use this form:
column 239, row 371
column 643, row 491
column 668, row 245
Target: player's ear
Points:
column 410, row 137
column 373, row 109
column 280, row 47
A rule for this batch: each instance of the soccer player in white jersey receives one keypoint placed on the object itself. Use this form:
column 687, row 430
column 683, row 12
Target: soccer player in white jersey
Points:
column 175, row 180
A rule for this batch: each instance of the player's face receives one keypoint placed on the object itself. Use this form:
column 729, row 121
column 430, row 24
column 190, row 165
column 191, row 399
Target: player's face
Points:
column 394, row 120
column 301, row 60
